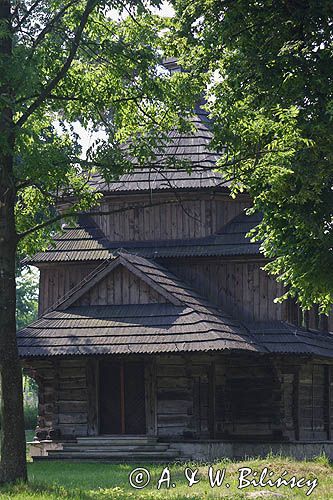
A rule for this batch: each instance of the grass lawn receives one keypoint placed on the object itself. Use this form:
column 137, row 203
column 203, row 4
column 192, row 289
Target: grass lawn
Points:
column 91, row 481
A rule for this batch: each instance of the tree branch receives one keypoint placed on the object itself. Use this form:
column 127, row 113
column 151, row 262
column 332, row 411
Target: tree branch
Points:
column 50, row 25
column 90, row 5
column 27, row 14
column 76, row 98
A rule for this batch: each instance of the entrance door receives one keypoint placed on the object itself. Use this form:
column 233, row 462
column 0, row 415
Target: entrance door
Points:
column 122, row 398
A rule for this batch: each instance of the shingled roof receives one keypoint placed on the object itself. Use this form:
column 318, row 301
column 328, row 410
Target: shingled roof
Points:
column 279, row 337
column 83, row 242
column 184, row 161
column 86, row 242
column 186, row 323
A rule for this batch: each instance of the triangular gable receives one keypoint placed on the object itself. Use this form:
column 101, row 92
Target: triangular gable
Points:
column 120, row 286
column 119, row 283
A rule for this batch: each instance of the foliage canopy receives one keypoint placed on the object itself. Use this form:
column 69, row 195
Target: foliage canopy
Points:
column 269, row 89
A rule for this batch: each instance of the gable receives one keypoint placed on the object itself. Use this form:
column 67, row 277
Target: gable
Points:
column 118, row 287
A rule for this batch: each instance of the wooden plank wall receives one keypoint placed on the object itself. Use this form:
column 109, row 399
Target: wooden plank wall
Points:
column 55, row 281
column 252, row 408
column 311, row 319
column 174, row 398
column 249, row 397
column 314, row 417
column 120, row 287
column 240, row 288
column 288, row 407
column 187, row 216
column 245, row 399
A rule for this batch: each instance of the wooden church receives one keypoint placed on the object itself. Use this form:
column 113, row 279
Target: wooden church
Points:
column 158, row 336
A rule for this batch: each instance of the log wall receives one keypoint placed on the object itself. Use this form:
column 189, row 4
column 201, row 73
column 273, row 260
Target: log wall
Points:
column 216, row 397
column 63, row 398
column 198, row 396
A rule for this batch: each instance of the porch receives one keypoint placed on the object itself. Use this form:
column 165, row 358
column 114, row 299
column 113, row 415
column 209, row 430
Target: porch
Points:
column 193, row 405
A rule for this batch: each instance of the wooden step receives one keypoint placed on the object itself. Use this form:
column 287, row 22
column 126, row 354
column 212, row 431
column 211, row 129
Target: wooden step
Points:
column 119, row 441
column 114, row 449
column 117, row 448
column 108, row 460
column 115, row 453
column 111, row 456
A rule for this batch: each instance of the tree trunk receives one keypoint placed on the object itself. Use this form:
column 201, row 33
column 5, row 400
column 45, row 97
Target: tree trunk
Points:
column 13, row 460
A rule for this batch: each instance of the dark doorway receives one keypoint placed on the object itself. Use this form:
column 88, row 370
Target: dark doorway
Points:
column 122, row 398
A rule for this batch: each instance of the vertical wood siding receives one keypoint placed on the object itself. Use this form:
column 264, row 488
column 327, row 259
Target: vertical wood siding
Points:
column 120, row 287
column 241, row 288
column 55, row 281
column 191, row 217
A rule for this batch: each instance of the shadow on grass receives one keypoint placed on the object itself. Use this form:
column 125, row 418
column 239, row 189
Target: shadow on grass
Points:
column 41, row 491
column 92, row 481
column 98, row 481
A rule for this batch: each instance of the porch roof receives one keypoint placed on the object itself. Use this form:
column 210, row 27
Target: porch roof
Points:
column 159, row 328
column 129, row 329
column 187, row 322
column 283, row 338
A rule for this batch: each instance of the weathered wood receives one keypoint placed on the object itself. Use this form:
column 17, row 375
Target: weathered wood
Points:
column 122, row 399
column 191, row 217
column 92, row 371
column 212, row 401
column 251, row 397
column 151, row 395
column 240, row 288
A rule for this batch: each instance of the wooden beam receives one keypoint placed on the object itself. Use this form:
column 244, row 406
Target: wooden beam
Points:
column 328, row 378
column 211, row 400
column 92, row 376
column 122, row 398
column 296, row 404
column 150, row 395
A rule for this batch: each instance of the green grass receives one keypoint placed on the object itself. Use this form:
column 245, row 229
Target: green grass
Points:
column 91, row 481
column 29, row 435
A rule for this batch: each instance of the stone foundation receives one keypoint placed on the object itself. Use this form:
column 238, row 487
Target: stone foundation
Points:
column 41, row 448
column 213, row 450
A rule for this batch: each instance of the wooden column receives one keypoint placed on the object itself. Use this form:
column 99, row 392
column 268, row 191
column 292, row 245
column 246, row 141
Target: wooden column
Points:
column 122, row 398
column 296, row 404
column 54, row 430
column 92, row 374
column 211, row 401
column 329, row 401
column 150, row 396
